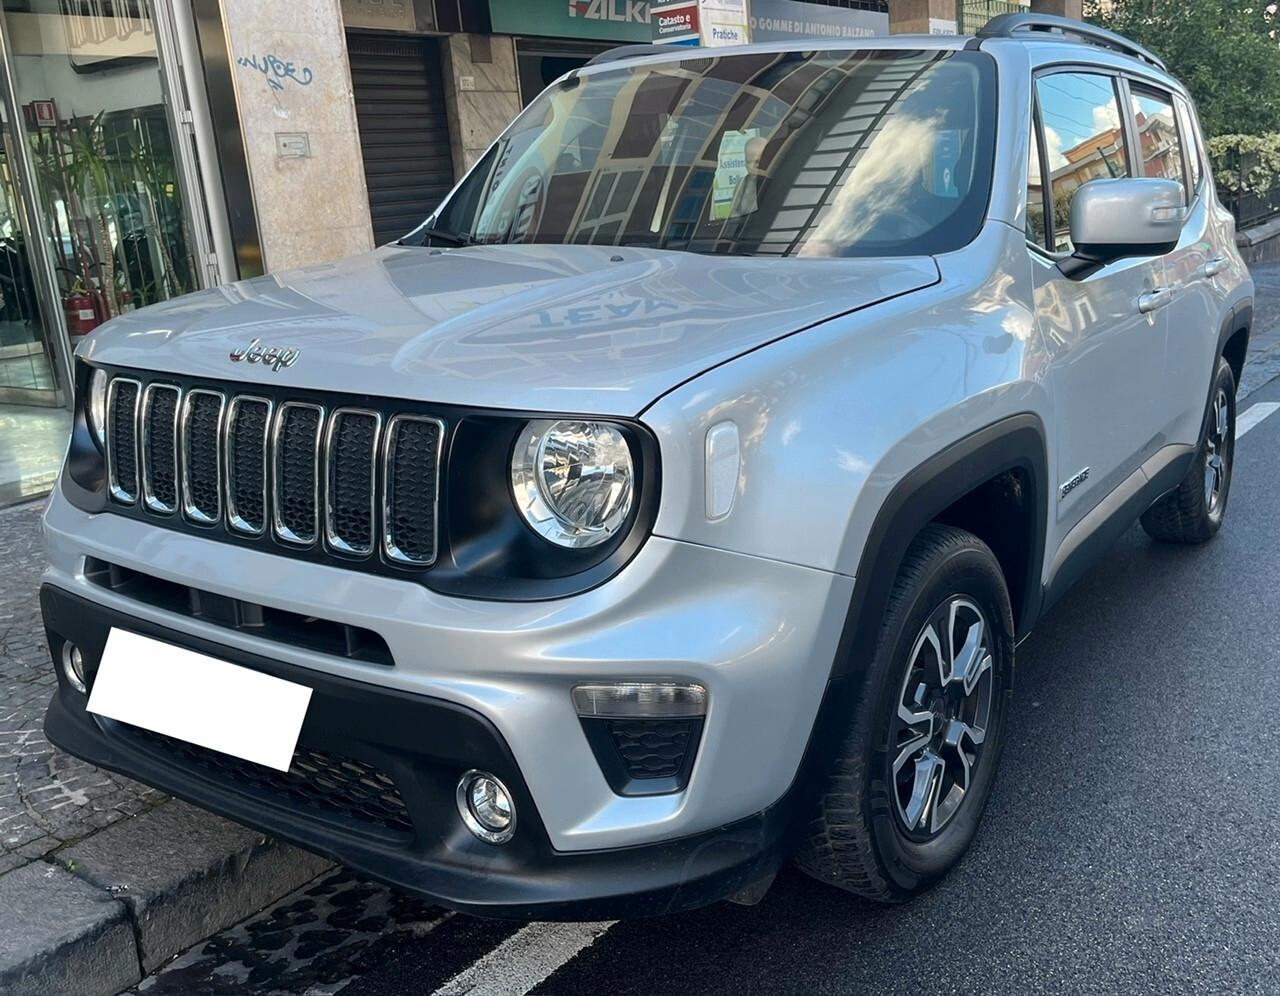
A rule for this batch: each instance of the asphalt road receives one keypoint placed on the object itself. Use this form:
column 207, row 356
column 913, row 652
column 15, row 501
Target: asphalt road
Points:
column 1130, row 844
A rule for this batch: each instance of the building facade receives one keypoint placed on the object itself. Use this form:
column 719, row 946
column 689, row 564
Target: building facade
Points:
column 154, row 147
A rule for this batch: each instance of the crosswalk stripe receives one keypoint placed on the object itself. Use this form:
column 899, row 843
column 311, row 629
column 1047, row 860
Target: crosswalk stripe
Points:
column 524, row 959
column 1254, row 414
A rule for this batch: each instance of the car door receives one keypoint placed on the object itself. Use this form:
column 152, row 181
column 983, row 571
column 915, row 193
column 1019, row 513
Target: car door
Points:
column 1169, row 147
column 1105, row 332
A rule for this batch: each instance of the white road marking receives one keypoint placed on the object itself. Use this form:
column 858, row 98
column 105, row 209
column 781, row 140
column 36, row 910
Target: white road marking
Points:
column 524, row 959
column 1255, row 414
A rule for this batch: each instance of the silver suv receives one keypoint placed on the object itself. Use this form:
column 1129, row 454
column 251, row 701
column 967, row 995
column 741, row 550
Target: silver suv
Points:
column 670, row 504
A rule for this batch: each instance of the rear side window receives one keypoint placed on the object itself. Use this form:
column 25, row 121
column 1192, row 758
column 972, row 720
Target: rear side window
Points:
column 1158, row 136
column 1190, row 141
column 1083, row 137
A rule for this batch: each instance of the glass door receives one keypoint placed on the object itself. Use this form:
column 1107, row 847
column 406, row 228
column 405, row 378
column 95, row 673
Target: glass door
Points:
column 33, row 420
column 100, row 178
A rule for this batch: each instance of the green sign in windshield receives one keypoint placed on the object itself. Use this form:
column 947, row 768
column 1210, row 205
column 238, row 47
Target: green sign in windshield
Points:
column 604, row 20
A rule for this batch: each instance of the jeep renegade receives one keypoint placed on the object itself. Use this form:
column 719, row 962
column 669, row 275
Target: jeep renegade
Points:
column 670, row 504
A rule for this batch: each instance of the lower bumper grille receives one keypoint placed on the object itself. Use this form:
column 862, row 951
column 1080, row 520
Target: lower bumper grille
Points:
column 324, row 784
column 644, row 756
column 653, row 748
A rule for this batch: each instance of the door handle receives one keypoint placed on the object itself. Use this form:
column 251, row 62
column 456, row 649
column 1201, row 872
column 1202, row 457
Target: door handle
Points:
column 1152, row 300
column 1214, row 266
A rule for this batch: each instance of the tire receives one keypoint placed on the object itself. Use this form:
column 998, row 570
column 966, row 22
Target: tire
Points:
column 860, row 839
column 1193, row 511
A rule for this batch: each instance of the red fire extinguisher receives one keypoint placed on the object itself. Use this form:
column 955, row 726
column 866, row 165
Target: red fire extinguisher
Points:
column 82, row 315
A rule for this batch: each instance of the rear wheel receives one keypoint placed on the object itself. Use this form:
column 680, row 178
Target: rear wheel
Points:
column 1193, row 511
column 916, row 766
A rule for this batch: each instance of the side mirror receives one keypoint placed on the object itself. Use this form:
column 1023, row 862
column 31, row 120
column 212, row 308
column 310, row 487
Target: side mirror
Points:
column 1112, row 219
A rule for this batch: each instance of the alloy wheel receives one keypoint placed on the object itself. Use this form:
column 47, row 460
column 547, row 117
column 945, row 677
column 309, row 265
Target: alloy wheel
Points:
column 1217, row 443
column 944, row 712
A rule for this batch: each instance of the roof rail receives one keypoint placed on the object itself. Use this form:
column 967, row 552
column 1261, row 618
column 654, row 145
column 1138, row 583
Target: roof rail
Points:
column 1008, row 25
column 625, row 52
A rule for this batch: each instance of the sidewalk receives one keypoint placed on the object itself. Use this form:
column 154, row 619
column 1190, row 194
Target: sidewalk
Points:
column 101, row 879
column 1264, row 346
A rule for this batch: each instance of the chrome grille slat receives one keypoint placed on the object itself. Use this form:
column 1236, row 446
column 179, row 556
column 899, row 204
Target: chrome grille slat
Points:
column 200, row 428
column 411, row 490
column 122, row 439
column 295, row 497
column 245, row 437
column 158, row 452
column 351, row 483
column 351, row 472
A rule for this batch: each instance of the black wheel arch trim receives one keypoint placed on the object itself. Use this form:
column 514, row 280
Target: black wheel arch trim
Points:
column 1017, row 442
column 1014, row 443
column 1240, row 319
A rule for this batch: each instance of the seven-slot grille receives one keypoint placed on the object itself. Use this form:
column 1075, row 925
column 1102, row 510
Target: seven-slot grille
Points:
column 351, row 481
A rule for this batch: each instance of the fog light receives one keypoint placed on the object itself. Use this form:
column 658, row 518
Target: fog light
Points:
column 73, row 666
column 486, row 807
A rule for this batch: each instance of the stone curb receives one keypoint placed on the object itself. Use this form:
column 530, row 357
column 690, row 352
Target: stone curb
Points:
column 1259, row 233
column 106, row 911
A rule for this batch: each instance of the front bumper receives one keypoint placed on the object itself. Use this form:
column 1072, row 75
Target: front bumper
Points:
column 487, row 685
column 421, row 744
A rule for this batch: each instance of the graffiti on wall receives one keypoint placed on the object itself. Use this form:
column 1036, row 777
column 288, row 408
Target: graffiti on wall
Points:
column 277, row 71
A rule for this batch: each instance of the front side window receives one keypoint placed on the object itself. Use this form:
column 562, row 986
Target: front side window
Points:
column 813, row 153
column 1083, row 137
column 1157, row 131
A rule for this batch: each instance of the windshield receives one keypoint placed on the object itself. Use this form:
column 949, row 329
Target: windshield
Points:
column 863, row 153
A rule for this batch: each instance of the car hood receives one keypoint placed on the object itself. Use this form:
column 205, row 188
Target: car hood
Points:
column 589, row 329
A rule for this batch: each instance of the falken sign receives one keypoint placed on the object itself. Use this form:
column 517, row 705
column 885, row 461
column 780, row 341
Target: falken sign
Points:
column 600, row 20
column 626, row 11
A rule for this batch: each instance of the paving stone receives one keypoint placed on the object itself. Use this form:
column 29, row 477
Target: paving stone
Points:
column 63, row 935
column 185, row 874
column 47, row 798
column 179, row 872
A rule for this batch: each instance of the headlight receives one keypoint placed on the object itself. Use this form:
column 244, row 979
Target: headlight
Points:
column 96, row 409
column 573, row 481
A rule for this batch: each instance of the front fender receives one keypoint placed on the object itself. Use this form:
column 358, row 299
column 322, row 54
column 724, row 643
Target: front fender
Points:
column 833, row 419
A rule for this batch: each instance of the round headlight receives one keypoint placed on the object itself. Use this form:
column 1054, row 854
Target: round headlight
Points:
column 573, row 481
column 96, row 409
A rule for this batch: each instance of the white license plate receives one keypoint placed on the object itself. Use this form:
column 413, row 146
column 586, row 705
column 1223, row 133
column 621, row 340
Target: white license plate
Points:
column 199, row 699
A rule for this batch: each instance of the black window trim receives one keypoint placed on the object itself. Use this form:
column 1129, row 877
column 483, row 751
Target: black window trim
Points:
column 1197, row 143
column 1046, row 201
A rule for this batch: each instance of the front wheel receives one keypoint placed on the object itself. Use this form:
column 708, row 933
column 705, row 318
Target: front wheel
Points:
column 914, row 771
column 1193, row 511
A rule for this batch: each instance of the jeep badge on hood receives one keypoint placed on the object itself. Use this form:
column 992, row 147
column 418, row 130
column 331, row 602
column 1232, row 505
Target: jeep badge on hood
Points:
column 275, row 357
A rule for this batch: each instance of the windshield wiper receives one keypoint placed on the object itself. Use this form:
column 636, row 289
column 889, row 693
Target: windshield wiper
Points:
column 453, row 238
